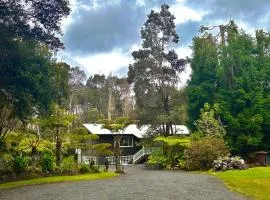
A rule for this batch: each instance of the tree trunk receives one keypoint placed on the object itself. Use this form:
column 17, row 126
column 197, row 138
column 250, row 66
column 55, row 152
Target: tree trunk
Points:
column 58, row 148
column 167, row 111
column 33, row 155
column 7, row 122
column 117, row 154
column 110, row 105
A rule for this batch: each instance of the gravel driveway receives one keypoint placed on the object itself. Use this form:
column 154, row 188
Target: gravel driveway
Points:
column 136, row 184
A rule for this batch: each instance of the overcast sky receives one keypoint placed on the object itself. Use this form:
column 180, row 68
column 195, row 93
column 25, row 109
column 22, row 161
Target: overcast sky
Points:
column 100, row 35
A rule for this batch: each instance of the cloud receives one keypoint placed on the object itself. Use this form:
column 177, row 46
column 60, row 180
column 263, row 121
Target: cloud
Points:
column 101, row 25
column 104, row 63
column 100, row 35
column 183, row 13
column 187, row 31
column 254, row 12
column 104, row 28
column 183, row 51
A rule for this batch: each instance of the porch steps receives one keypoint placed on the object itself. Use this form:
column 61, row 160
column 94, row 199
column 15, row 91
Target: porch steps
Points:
column 142, row 153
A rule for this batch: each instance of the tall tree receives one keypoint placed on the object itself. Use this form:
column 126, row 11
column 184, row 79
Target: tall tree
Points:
column 27, row 28
column 60, row 80
column 124, row 97
column 237, row 70
column 203, row 84
column 155, row 72
column 77, row 80
column 25, row 84
column 111, row 96
column 57, row 123
column 97, row 93
column 32, row 20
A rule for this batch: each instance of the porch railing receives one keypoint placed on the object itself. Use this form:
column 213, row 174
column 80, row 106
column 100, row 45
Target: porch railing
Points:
column 124, row 160
column 87, row 159
column 144, row 151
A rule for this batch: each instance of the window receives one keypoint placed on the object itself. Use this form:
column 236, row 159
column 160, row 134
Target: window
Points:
column 126, row 141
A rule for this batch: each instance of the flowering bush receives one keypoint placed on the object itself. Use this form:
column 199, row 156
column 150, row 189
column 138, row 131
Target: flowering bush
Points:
column 229, row 163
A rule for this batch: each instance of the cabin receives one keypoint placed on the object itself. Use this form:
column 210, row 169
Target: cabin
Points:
column 131, row 151
column 260, row 158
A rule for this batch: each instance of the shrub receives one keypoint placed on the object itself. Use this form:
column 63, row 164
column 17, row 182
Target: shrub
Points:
column 19, row 164
column 33, row 169
column 158, row 157
column 182, row 164
column 202, row 153
column 173, row 149
column 68, row 166
column 229, row 163
column 47, row 162
column 94, row 169
column 84, row 168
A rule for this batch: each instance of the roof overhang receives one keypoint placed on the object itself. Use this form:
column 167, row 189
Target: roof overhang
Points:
column 132, row 129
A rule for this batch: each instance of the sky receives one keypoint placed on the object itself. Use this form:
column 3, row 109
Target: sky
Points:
column 100, row 35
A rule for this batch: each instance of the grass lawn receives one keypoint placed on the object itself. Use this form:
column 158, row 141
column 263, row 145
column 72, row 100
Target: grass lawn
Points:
column 55, row 179
column 253, row 182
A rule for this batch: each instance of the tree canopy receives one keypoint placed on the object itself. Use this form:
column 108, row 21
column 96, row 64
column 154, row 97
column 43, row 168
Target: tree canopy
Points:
column 232, row 70
column 156, row 68
column 36, row 20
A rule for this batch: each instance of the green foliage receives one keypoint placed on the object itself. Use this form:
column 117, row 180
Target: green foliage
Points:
column 84, row 168
column 158, row 157
column 60, row 82
column 79, row 138
column 45, row 18
column 27, row 33
column 174, row 140
column 204, row 66
column 182, row 164
column 201, row 154
column 68, row 165
column 93, row 115
column 109, row 97
column 116, row 126
column 47, row 162
column 207, row 124
column 102, row 149
column 173, row 148
column 94, row 169
column 119, row 123
column 57, row 124
column 233, row 72
column 25, row 83
column 59, row 118
column 19, row 164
